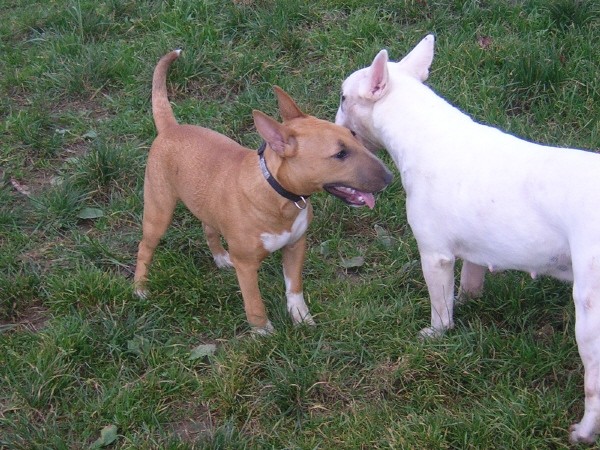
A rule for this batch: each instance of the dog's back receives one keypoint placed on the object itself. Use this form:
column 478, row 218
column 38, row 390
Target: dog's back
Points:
column 505, row 203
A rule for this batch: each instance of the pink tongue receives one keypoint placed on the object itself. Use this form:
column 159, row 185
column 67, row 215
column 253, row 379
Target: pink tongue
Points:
column 369, row 199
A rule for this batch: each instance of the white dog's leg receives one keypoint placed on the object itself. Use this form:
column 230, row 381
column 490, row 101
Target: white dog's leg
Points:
column 439, row 276
column 471, row 281
column 586, row 293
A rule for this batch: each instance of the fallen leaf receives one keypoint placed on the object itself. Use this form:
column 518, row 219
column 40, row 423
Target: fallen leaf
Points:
column 90, row 135
column 326, row 247
column 108, row 435
column 384, row 236
column 90, row 213
column 138, row 345
column 202, row 351
column 352, row 263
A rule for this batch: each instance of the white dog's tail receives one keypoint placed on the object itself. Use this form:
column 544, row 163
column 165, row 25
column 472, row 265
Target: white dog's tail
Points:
column 161, row 108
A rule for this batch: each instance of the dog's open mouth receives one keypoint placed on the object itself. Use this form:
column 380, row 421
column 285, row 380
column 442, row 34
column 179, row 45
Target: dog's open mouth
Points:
column 351, row 196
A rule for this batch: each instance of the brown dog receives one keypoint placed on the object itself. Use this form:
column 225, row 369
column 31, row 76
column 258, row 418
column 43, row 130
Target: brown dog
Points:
column 258, row 203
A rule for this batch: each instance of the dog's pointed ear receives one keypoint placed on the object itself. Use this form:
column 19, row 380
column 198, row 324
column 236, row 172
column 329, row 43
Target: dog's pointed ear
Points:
column 279, row 137
column 418, row 61
column 287, row 106
column 377, row 78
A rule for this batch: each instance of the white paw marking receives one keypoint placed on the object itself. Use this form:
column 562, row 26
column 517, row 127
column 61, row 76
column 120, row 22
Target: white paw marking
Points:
column 222, row 260
column 298, row 309
column 267, row 330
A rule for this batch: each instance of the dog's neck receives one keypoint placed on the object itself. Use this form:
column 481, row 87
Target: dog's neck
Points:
column 299, row 200
column 413, row 119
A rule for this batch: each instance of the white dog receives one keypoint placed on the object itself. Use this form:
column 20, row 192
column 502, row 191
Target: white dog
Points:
column 489, row 198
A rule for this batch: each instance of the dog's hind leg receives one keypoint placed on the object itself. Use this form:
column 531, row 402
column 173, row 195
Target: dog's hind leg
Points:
column 438, row 271
column 586, row 293
column 471, row 281
column 213, row 239
column 158, row 213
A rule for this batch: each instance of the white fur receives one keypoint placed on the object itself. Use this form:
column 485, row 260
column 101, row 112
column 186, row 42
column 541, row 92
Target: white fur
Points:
column 297, row 306
column 267, row 330
column 489, row 198
column 222, row 260
column 272, row 242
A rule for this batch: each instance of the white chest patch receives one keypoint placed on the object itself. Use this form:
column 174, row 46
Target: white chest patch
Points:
column 273, row 242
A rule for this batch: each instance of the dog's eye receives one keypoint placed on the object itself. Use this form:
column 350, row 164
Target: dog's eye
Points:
column 343, row 98
column 342, row 154
column 353, row 133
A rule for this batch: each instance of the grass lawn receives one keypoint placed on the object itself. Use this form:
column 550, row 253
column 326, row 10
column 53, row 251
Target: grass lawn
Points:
column 83, row 363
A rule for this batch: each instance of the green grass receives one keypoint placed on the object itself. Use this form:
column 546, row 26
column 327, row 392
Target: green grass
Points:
column 80, row 353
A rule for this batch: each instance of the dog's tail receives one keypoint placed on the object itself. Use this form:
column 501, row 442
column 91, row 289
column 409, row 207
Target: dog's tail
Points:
column 161, row 108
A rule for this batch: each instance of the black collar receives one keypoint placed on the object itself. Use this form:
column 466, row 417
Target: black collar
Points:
column 299, row 200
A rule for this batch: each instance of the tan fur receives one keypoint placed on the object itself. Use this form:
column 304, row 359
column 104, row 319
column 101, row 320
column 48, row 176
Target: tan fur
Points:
column 221, row 183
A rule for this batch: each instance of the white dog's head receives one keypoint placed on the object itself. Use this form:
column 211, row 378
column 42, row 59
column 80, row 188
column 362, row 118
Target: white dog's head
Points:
column 362, row 90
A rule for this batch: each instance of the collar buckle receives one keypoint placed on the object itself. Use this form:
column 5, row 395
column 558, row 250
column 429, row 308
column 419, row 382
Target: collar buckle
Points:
column 303, row 205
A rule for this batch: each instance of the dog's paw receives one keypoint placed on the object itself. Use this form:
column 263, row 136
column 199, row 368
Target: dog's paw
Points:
column 430, row 333
column 223, row 261
column 302, row 318
column 267, row 330
column 141, row 293
column 298, row 310
column 579, row 436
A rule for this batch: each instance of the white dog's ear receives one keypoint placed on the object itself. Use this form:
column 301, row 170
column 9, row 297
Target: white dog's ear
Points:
column 279, row 137
column 418, row 61
column 377, row 78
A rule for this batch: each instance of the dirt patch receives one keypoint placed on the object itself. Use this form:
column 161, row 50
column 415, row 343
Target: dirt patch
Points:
column 35, row 183
column 197, row 425
column 32, row 319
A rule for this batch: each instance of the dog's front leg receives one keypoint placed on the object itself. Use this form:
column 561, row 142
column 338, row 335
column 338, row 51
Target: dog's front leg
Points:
column 587, row 323
column 438, row 271
column 293, row 261
column 256, row 314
